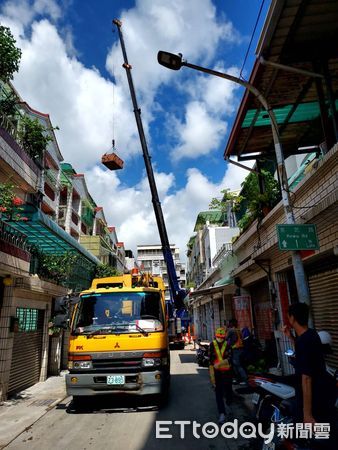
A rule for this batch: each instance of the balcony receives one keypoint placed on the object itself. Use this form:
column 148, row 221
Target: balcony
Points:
column 13, row 242
column 225, row 250
column 17, row 163
column 74, row 218
column 62, row 215
column 51, row 179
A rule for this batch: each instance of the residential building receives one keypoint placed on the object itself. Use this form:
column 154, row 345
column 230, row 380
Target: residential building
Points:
column 52, row 238
column 39, row 261
column 306, row 109
column 210, row 262
column 150, row 259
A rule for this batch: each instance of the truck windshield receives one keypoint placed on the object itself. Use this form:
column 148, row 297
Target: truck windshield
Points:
column 119, row 312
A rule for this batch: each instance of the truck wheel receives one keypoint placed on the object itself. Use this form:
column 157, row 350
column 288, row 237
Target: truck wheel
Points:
column 79, row 402
column 164, row 395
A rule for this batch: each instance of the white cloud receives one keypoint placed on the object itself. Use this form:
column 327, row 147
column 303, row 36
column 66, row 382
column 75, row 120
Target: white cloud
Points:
column 217, row 93
column 199, row 134
column 24, row 11
column 130, row 210
column 190, row 27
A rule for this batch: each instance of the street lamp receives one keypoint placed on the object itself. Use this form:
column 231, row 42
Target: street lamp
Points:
column 175, row 62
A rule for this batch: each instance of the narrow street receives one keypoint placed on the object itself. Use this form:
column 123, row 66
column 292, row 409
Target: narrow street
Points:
column 104, row 427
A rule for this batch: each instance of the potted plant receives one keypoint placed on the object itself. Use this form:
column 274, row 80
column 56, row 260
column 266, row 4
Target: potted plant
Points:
column 53, row 330
column 10, row 204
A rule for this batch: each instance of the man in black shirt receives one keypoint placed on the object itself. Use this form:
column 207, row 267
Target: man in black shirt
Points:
column 314, row 396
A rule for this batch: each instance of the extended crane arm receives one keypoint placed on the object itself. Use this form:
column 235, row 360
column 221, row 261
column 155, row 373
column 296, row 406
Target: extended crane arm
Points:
column 177, row 293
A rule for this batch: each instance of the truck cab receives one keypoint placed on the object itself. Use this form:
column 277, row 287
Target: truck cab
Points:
column 119, row 339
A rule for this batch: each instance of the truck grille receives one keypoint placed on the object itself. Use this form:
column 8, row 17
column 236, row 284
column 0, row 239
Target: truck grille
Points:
column 118, row 365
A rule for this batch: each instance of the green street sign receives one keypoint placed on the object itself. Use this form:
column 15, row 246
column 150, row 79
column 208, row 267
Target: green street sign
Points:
column 297, row 237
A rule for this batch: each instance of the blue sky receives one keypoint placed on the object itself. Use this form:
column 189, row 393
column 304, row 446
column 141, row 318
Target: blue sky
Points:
column 71, row 69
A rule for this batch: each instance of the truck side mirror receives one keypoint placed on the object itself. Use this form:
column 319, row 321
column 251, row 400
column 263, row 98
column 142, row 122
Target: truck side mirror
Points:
column 61, row 321
column 60, row 305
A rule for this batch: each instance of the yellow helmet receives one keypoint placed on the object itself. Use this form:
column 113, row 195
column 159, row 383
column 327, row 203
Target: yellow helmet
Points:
column 220, row 332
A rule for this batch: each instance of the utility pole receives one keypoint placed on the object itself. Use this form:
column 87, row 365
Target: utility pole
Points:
column 175, row 62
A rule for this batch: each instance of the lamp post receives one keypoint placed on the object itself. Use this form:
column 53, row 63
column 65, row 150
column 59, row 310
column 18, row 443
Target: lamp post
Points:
column 175, row 62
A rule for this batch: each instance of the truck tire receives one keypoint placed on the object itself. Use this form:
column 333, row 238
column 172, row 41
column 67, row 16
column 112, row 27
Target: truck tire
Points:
column 79, row 402
column 163, row 397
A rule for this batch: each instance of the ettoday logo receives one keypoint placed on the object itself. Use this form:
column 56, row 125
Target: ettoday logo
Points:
column 210, row 430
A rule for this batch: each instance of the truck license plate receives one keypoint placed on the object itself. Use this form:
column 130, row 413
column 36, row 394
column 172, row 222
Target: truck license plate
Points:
column 255, row 398
column 115, row 379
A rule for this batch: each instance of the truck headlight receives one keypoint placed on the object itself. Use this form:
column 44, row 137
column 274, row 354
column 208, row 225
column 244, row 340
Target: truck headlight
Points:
column 79, row 361
column 151, row 362
column 82, row 365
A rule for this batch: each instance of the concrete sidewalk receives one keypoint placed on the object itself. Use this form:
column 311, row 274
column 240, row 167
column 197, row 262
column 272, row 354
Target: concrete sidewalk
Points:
column 21, row 412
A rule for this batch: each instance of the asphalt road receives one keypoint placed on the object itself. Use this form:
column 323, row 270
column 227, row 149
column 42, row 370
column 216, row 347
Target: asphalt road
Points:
column 130, row 426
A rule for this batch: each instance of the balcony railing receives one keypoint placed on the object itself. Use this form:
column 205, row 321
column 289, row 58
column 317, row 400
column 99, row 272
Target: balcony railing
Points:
column 75, row 217
column 226, row 249
column 14, row 242
column 52, row 180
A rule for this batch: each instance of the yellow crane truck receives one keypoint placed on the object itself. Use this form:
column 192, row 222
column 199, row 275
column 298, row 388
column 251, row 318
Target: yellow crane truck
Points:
column 119, row 339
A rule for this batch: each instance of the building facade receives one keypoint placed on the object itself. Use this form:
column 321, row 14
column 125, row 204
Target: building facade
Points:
column 150, row 259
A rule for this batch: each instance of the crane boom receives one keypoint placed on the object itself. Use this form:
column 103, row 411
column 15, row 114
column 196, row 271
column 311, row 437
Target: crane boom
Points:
column 177, row 294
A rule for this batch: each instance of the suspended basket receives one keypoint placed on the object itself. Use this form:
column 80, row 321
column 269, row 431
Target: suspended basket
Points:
column 112, row 161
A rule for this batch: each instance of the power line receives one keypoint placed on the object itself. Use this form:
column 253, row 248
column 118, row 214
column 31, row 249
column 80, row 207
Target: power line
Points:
column 252, row 36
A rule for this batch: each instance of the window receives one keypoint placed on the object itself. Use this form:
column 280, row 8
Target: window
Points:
column 29, row 319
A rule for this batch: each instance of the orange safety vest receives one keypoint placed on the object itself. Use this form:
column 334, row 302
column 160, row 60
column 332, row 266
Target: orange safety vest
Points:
column 219, row 354
column 239, row 342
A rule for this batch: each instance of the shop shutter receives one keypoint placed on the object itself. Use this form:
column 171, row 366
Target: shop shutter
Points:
column 324, row 301
column 27, row 350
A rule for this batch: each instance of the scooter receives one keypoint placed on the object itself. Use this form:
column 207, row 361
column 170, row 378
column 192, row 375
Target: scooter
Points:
column 273, row 402
column 267, row 395
column 202, row 354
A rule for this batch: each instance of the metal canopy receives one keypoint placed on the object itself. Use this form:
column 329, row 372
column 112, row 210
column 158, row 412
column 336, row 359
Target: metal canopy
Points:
column 228, row 288
column 301, row 34
column 47, row 235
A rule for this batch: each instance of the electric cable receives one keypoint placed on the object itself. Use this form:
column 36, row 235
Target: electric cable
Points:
column 252, row 36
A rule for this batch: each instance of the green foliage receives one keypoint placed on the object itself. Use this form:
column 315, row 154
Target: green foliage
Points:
column 33, row 136
column 252, row 196
column 8, row 104
column 244, row 222
column 250, row 203
column 105, row 270
column 227, row 198
column 190, row 244
column 56, row 267
column 10, row 55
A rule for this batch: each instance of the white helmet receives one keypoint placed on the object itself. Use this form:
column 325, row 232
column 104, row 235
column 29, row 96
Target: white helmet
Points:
column 325, row 337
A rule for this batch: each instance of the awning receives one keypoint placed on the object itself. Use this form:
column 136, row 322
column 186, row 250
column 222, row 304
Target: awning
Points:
column 47, row 235
column 228, row 288
column 295, row 34
column 224, row 281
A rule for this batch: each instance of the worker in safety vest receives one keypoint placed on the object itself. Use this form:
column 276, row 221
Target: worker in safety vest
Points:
column 234, row 339
column 220, row 372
